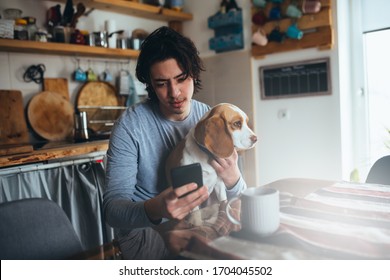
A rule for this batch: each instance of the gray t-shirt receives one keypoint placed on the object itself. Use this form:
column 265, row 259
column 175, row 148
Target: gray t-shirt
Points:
column 140, row 143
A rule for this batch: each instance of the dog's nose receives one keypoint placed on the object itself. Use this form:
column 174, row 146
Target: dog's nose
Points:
column 253, row 138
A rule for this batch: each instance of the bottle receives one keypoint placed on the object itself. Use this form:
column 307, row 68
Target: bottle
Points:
column 223, row 7
column 232, row 6
column 31, row 27
column 20, row 31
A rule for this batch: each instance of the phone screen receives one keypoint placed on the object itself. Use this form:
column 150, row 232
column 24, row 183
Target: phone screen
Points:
column 186, row 174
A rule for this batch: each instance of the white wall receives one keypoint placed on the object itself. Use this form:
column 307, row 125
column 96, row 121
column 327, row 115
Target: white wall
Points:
column 375, row 14
column 307, row 142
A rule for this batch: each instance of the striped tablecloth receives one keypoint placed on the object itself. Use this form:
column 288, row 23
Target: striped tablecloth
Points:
column 341, row 221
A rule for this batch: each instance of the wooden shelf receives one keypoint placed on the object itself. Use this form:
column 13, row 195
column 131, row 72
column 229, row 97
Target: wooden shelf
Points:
column 317, row 30
column 322, row 37
column 117, row 6
column 136, row 9
column 10, row 45
column 57, row 151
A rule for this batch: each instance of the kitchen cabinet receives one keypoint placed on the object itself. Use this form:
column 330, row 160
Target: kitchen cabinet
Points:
column 174, row 18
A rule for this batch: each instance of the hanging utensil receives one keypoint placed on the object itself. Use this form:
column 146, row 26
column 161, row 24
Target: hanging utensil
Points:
column 34, row 73
column 80, row 11
column 68, row 13
column 91, row 76
column 106, row 76
column 79, row 74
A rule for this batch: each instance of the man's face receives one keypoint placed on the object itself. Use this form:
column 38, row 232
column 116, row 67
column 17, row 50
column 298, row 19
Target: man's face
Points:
column 173, row 90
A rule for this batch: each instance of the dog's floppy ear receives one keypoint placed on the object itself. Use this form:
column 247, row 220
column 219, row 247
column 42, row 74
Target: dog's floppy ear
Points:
column 213, row 134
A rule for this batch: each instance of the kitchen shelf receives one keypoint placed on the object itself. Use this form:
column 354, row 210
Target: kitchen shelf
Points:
column 136, row 9
column 11, row 45
column 117, row 6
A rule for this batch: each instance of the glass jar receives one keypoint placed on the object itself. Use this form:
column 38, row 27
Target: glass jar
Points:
column 176, row 5
column 31, row 27
column 20, row 31
column 41, row 35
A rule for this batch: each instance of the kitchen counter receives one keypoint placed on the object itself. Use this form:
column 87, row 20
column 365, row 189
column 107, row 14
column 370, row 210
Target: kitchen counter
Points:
column 54, row 150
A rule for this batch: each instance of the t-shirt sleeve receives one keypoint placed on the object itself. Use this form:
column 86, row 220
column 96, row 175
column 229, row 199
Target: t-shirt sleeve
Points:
column 120, row 208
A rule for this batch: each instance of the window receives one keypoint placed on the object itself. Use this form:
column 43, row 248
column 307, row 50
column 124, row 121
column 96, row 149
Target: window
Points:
column 377, row 63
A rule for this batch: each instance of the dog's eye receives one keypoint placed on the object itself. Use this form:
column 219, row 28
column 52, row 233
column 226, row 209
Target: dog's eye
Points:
column 237, row 124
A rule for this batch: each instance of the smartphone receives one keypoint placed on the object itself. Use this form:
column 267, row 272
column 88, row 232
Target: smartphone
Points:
column 191, row 173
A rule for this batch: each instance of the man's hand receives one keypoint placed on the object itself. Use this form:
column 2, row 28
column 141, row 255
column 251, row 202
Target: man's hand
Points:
column 227, row 169
column 176, row 203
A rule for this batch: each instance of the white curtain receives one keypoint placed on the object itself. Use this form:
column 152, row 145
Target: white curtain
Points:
column 76, row 187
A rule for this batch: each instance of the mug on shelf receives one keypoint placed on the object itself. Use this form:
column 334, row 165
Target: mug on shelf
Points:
column 260, row 37
column 293, row 11
column 294, row 32
column 276, row 35
column 259, row 3
column 311, row 6
column 259, row 18
column 275, row 13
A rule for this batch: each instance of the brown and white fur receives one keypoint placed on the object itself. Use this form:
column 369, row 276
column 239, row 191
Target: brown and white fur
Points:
column 221, row 130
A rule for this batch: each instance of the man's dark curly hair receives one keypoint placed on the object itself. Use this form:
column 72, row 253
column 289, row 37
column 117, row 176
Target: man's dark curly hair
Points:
column 165, row 43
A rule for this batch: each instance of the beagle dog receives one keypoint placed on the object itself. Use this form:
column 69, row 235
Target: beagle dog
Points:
column 221, row 130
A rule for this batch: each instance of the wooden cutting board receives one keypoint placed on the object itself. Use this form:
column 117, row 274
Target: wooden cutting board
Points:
column 97, row 94
column 59, row 85
column 94, row 98
column 51, row 116
column 14, row 137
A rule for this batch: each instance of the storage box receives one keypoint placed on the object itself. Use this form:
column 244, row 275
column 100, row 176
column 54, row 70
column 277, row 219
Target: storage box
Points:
column 226, row 42
column 220, row 20
column 228, row 31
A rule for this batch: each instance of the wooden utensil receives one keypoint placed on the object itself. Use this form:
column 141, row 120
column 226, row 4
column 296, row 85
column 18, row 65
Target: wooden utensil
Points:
column 58, row 85
column 13, row 127
column 51, row 116
column 80, row 11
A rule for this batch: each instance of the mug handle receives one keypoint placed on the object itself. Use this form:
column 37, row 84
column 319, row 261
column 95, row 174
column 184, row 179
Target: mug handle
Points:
column 230, row 217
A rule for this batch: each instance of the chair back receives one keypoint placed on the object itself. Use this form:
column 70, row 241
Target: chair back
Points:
column 380, row 172
column 36, row 228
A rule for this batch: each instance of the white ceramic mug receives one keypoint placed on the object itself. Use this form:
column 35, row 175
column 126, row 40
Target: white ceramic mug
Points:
column 259, row 210
column 260, row 37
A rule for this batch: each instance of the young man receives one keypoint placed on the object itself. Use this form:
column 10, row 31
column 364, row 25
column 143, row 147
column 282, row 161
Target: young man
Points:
column 137, row 194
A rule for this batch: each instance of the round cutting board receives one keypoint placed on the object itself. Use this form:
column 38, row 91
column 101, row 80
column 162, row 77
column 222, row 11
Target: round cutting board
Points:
column 97, row 94
column 99, row 100
column 51, row 116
